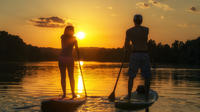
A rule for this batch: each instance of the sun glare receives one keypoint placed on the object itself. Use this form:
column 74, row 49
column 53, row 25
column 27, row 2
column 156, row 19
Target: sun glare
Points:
column 80, row 84
column 81, row 63
column 80, row 35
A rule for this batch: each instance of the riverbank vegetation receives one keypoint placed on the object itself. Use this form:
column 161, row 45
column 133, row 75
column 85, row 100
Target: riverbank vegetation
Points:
column 13, row 48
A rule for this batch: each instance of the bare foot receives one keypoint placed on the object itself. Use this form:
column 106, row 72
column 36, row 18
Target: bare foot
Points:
column 63, row 96
column 74, row 96
column 129, row 97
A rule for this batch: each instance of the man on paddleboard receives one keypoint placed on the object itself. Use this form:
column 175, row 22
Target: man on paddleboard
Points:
column 136, row 37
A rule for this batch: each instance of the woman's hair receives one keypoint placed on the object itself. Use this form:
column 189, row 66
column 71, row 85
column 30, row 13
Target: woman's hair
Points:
column 68, row 28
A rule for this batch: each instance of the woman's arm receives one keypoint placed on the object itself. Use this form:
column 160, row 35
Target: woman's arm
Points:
column 76, row 48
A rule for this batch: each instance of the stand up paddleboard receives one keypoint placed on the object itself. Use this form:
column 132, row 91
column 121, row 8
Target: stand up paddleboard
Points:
column 137, row 101
column 61, row 104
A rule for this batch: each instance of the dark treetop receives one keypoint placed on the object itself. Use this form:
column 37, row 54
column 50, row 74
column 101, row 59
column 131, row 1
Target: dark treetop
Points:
column 13, row 48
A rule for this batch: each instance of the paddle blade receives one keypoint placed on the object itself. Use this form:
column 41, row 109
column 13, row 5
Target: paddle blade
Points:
column 112, row 97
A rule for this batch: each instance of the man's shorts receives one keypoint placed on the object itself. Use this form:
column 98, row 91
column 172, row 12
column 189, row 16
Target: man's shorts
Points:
column 139, row 61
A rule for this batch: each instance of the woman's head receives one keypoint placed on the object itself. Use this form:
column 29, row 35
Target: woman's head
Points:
column 69, row 30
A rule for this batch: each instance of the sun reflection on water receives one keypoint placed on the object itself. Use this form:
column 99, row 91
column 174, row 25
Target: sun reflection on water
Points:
column 80, row 84
column 80, row 81
column 81, row 63
column 42, row 81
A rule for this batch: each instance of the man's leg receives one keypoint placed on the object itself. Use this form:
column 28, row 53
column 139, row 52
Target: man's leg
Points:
column 147, row 88
column 133, row 69
column 146, row 72
column 130, row 86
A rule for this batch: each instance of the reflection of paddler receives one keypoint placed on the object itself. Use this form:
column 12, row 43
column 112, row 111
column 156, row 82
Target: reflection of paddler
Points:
column 66, row 60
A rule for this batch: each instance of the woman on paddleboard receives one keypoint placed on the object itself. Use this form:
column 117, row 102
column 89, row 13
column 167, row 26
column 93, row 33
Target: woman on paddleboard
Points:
column 65, row 60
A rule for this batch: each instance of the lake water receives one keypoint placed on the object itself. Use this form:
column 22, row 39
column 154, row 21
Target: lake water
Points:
column 24, row 85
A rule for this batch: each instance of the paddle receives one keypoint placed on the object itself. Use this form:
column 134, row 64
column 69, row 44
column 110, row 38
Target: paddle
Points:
column 81, row 73
column 112, row 95
column 26, row 107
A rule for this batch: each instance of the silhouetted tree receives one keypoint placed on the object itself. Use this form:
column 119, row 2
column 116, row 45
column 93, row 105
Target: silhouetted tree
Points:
column 13, row 48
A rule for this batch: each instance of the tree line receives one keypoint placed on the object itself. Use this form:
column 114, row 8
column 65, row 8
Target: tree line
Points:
column 13, row 48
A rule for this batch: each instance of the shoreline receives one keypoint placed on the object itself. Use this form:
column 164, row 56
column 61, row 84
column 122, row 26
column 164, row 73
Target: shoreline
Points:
column 154, row 65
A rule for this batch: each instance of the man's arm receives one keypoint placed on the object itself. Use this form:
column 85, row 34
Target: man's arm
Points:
column 127, row 43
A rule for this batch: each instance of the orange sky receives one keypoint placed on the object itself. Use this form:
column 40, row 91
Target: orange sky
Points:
column 41, row 22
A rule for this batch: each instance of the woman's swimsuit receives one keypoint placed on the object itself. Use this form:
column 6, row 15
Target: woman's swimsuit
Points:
column 66, row 57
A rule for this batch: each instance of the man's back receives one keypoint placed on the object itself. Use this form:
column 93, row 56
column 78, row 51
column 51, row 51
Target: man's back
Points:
column 138, row 35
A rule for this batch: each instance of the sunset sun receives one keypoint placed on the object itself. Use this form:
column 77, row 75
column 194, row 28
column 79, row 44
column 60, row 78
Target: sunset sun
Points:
column 80, row 35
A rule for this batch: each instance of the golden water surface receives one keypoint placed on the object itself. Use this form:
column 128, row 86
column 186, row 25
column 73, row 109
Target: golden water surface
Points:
column 24, row 85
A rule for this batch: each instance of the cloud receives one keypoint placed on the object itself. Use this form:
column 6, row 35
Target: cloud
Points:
column 110, row 7
column 142, row 5
column 160, row 5
column 97, row 7
column 193, row 10
column 151, row 3
column 187, row 25
column 182, row 25
column 113, row 14
column 49, row 22
column 162, row 17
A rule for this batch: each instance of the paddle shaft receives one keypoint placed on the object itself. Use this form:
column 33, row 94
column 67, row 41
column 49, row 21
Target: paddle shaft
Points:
column 81, row 74
column 82, row 79
column 118, row 76
column 123, row 59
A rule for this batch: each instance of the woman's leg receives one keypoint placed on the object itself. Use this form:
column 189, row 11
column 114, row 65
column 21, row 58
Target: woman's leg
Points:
column 71, row 78
column 62, row 68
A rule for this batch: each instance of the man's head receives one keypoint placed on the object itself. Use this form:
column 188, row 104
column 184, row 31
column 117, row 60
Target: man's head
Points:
column 137, row 19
